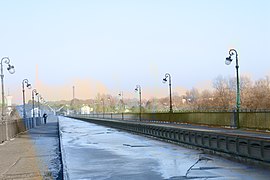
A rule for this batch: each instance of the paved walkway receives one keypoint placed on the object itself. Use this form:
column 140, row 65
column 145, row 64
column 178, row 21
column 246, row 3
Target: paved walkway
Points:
column 32, row 155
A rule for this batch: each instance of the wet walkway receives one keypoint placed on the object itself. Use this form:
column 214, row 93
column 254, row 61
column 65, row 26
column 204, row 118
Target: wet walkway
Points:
column 32, row 155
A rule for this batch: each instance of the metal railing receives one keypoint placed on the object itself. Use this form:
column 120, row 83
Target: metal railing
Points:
column 17, row 126
column 248, row 119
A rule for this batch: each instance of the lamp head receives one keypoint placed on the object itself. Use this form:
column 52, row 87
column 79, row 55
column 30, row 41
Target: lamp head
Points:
column 29, row 86
column 136, row 89
column 228, row 60
column 11, row 69
column 164, row 80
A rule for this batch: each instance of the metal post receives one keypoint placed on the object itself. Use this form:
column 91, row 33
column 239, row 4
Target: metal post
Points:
column 11, row 71
column 38, row 120
column 25, row 81
column 33, row 104
column 34, row 91
column 3, row 94
column 140, row 104
column 38, row 107
column 170, row 84
column 138, row 88
column 103, row 108
column 24, row 113
column 124, row 108
column 123, row 105
column 238, row 91
column 167, row 75
column 238, row 100
column 3, row 100
column 23, row 91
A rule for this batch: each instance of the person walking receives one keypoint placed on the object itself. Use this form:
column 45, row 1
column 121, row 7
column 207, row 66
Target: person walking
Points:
column 45, row 118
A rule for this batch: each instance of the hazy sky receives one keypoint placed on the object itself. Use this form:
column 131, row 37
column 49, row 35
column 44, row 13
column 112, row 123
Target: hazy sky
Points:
column 109, row 45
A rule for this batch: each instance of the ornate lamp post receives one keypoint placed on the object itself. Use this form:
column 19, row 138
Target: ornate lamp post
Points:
column 39, row 97
column 11, row 70
column 168, row 76
column 138, row 89
column 42, row 101
column 34, row 92
column 28, row 85
column 110, row 104
column 121, row 94
column 103, row 107
column 238, row 101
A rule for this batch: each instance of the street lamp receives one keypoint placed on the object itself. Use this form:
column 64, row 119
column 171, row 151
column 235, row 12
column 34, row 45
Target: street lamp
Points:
column 110, row 104
column 11, row 70
column 228, row 62
column 121, row 94
column 168, row 76
column 103, row 107
column 28, row 85
column 42, row 101
column 34, row 92
column 138, row 89
column 39, row 97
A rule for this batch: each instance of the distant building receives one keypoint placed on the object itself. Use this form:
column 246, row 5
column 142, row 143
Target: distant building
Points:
column 184, row 101
column 36, row 112
column 127, row 110
column 9, row 104
column 9, row 100
column 86, row 110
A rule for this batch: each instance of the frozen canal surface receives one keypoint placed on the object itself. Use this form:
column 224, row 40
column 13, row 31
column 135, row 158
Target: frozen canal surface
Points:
column 97, row 152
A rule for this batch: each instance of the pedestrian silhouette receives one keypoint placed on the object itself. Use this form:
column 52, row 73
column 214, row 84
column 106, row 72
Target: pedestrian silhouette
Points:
column 45, row 118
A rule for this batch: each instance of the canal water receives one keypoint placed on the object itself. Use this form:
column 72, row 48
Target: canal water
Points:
column 96, row 152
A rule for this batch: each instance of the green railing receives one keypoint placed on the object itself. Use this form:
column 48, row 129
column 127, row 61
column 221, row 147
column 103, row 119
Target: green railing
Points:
column 251, row 120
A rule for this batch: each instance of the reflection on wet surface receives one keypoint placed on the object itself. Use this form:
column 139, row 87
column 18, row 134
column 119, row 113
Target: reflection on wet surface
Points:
column 97, row 152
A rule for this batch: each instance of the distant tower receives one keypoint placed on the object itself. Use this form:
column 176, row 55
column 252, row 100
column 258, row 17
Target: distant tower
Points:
column 73, row 92
column 9, row 99
column 36, row 83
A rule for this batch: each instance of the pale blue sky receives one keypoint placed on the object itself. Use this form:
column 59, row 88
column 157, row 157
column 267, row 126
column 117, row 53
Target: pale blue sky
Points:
column 129, row 42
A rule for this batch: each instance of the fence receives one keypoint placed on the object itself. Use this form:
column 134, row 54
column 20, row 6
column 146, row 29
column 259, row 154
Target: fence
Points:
column 17, row 126
column 251, row 120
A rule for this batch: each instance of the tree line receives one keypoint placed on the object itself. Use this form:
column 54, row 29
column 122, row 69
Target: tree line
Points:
column 255, row 95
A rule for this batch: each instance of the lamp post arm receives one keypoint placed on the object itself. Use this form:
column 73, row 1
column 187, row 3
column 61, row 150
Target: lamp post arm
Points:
column 25, row 81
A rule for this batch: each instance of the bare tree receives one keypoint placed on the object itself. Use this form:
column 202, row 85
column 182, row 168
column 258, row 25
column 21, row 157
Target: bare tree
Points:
column 260, row 97
column 224, row 93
